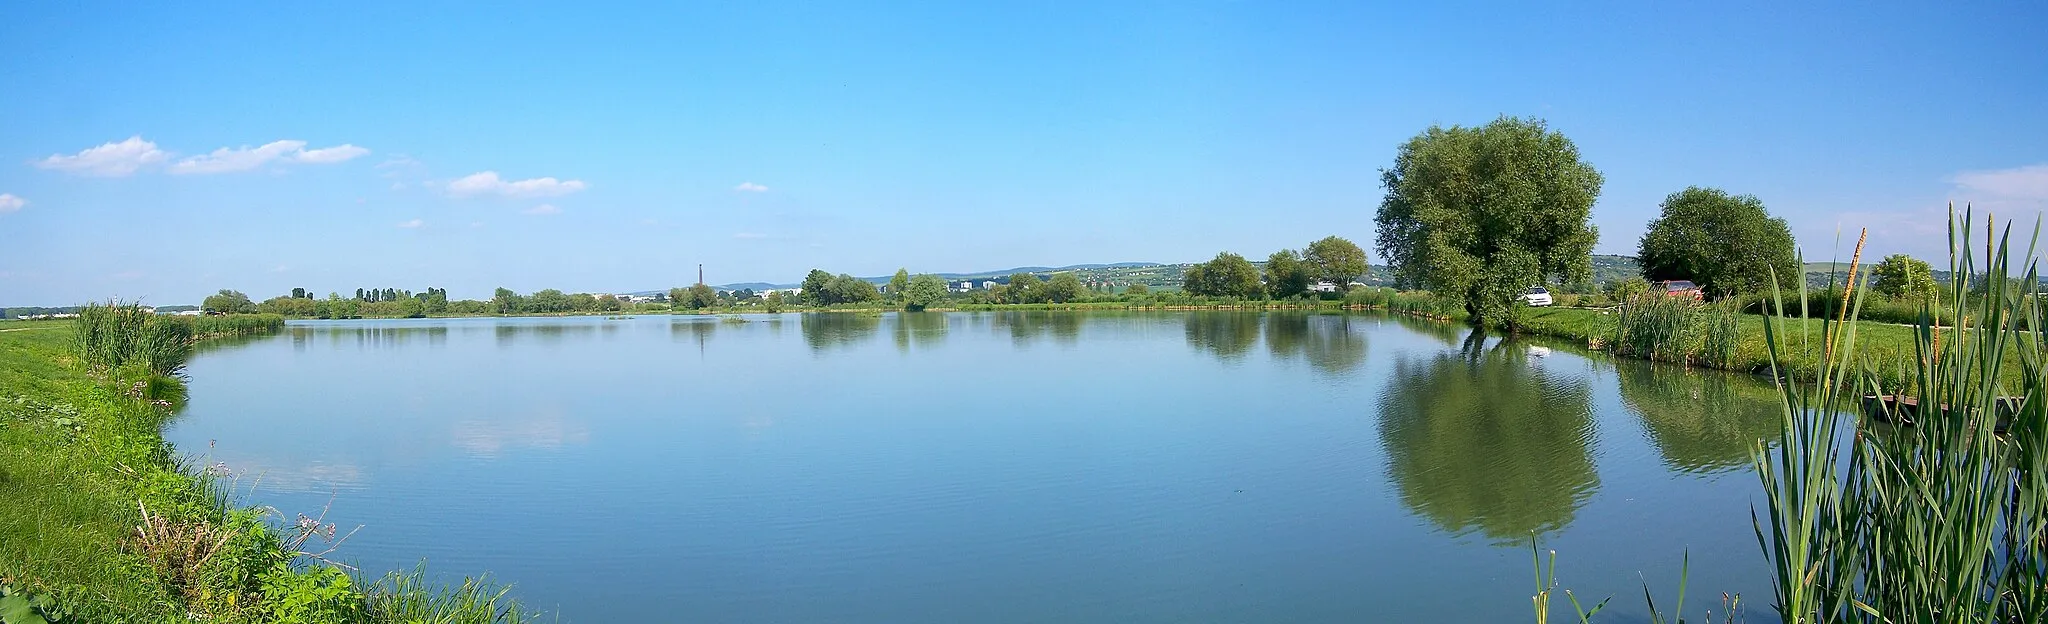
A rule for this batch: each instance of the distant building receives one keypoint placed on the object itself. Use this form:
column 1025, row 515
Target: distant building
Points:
column 1325, row 287
column 986, row 284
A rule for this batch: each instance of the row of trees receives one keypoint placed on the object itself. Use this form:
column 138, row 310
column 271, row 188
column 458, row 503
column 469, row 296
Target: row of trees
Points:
column 1478, row 215
column 1288, row 273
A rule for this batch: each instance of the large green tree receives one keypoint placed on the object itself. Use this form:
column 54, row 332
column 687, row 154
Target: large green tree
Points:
column 503, row 301
column 1023, row 289
column 1481, row 214
column 698, row 297
column 1062, row 288
column 813, row 292
column 899, row 283
column 1286, row 274
column 228, row 302
column 549, row 301
column 1900, row 276
column 1725, row 243
column 845, row 288
column 922, row 291
column 1226, row 275
column 1334, row 259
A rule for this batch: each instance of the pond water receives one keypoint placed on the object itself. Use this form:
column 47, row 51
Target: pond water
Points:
column 996, row 467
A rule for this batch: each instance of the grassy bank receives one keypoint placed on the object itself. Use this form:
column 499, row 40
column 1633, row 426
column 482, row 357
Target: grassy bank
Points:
column 1885, row 348
column 102, row 521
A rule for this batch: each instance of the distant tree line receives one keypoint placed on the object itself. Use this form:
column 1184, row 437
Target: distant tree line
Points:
column 1287, row 273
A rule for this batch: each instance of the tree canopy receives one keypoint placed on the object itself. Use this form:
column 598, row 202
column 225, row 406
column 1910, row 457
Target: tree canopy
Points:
column 1286, row 274
column 1334, row 259
column 1900, row 276
column 922, row 291
column 1062, row 288
column 228, row 302
column 1226, row 275
column 813, row 292
column 1725, row 243
column 1478, row 215
column 843, row 288
column 898, row 283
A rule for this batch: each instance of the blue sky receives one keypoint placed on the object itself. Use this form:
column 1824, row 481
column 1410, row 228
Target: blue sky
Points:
column 611, row 148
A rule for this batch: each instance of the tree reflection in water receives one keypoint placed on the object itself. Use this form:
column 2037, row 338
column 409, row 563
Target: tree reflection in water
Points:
column 924, row 329
column 1227, row 335
column 1701, row 422
column 1326, row 341
column 826, row 330
column 1480, row 439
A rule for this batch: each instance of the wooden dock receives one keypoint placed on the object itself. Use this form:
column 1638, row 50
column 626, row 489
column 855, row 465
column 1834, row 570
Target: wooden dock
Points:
column 1903, row 410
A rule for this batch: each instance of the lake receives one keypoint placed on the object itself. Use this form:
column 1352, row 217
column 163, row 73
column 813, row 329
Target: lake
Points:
column 997, row 467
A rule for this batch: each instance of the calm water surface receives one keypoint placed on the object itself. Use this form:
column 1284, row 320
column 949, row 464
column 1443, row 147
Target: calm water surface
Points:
column 1009, row 467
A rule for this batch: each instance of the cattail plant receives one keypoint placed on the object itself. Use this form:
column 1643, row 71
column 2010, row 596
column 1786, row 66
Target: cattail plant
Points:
column 1939, row 520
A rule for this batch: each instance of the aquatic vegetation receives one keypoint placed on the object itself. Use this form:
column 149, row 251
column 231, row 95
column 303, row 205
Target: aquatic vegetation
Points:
column 1941, row 521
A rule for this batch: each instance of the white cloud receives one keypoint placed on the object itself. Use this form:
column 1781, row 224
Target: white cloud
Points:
column 749, row 236
column 412, row 224
column 749, row 187
column 244, row 158
column 108, row 160
column 330, row 155
column 2019, row 183
column 543, row 209
column 280, row 269
column 488, row 183
column 10, row 202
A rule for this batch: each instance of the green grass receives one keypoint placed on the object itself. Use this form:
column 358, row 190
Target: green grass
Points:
column 82, row 456
column 1886, row 348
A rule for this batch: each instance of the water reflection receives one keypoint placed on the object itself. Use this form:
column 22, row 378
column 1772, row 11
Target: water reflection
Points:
column 825, row 330
column 924, row 329
column 1482, row 439
column 1028, row 326
column 1227, row 335
column 548, row 334
column 1326, row 341
column 1699, row 422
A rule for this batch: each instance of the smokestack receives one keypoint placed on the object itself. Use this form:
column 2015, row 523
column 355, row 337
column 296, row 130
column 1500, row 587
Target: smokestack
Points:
column 700, row 272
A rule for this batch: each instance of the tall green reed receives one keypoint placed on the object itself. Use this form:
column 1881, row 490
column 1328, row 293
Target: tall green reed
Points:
column 1943, row 520
column 1656, row 327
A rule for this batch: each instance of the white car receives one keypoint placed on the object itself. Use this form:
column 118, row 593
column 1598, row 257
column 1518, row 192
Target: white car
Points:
column 1536, row 297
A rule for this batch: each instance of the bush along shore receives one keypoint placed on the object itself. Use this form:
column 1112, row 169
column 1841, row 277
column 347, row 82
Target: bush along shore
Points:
column 102, row 521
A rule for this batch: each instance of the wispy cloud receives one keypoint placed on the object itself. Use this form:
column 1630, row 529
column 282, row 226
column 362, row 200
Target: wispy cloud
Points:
column 488, row 183
column 135, row 154
column 2028, row 183
column 749, row 236
column 280, row 269
column 330, row 155
column 10, row 202
column 245, row 158
column 415, row 223
column 543, row 209
column 110, row 160
column 749, row 187
column 232, row 159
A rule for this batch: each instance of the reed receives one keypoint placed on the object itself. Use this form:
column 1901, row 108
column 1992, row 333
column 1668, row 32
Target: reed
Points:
column 1656, row 327
column 1720, row 329
column 233, row 325
column 1945, row 520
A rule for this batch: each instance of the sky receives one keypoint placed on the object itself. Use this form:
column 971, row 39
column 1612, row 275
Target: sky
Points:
column 162, row 151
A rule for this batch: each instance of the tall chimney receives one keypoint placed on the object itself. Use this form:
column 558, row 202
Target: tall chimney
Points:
column 700, row 272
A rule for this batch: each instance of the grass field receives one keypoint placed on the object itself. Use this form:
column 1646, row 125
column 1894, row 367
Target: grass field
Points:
column 101, row 521
column 1884, row 347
